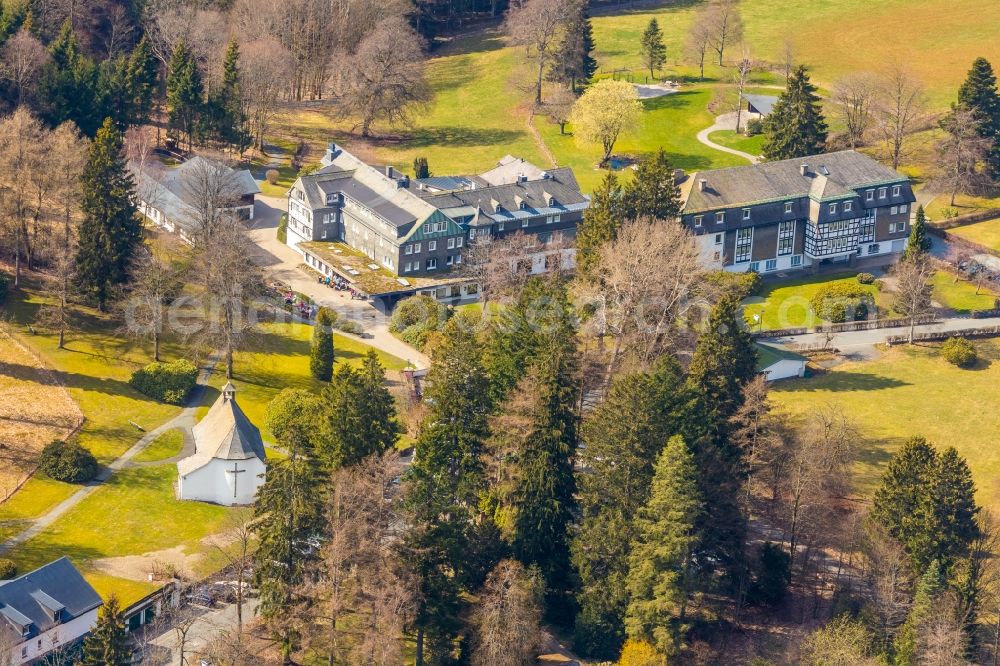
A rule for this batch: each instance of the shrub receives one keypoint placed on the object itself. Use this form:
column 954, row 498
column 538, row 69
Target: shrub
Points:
column 773, row 575
column 68, row 462
column 639, row 653
column 754, row 127
column 415, row 318
column 8, row 569
column 166, row 382
column 960, row 352
column 4, row 283
column 842, row 301
column 283, row 229
column 321, row 352
column 271, row 176
column 866, row 278
column 740, row 285
column 348, row 326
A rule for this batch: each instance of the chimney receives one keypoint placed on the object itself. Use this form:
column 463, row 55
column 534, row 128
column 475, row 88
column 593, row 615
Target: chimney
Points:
column 390, row 172
column 803, row 169
column 702, row 184
column 679, row 176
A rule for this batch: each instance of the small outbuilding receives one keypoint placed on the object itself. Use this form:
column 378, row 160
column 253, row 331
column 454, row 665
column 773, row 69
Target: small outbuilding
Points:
column 760, row 105
column 777, row 363
column 229, row 462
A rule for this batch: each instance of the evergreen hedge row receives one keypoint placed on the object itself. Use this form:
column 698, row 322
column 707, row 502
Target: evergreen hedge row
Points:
column 166, row 382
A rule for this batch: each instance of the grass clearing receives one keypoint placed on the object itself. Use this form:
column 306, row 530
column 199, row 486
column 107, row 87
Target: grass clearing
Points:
column 959, row 294
column 753, row 145
column 912, row 391
column 167, row 445
column 785, row 304
column 985, row 233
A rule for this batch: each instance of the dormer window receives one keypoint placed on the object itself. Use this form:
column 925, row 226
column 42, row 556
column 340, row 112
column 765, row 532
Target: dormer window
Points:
column 896, row 190
column 788, row 207
column 697, row 220
column 746, row 213
column 848, row 206
column 833, row 209
column 720, row 217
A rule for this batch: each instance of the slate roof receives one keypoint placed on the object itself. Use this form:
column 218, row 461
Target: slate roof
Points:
column 32, row 602
column 509, row 168
column 829, row 175
column 768, row 355
column 443, row 183
column 763, row 103
column 224, row 434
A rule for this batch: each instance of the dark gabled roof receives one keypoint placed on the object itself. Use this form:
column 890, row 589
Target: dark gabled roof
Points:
column 829, row 175
column 29, row 602
column 768, row 355
column 559, row 190
column 443, row 183
column 763, row 103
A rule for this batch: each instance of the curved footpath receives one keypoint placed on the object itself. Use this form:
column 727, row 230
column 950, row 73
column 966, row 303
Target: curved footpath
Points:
column 726, row 121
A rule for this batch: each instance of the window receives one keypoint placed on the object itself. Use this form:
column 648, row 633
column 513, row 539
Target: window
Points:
column 770, row 264
column 416, row 248
column 427, row 228
column 718, row 239
column 881, row 192
column 458, row 242
column 902, row 209
column 746, row 213
column 870, row 195
column 556, row 218
column 408, row 249
column 897, row 227
column 720, row 217
column 788, row 207
column 755, row 267
column 432, row 264
column 524, row 222
column 848, row 206
column 895, row 190
column 786, row 237
column 458, row 258
column 873, row 248
column 797, row 260
column 548, row 219
column 833, row 209
column 893, row 210
column 407, row 266
column 324, row 233
column 448, row 260
column 499, row 227
column 697, row 220
column 24, row 652
column 744, row 241
column 451, row 243
column 432, row 245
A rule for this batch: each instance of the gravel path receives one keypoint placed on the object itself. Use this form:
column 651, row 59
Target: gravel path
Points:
column 726, row 121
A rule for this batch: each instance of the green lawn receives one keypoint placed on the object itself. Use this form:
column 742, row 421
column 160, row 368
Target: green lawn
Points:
column 281, row 360
column 908, row 392
column 167, row 445
column 785, row 304
column 960, row 295
column 985, row 233
column 752, row 145
column 134, row 513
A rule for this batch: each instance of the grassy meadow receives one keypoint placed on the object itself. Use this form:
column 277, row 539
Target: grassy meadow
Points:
column 985, row 233
column 912, row 391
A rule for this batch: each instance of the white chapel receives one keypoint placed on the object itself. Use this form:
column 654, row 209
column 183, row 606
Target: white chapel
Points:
column 229, row 461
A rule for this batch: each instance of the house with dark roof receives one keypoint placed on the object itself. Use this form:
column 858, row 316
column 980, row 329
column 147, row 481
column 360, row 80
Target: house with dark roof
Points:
column 389, row 236
column 794, row 214
column 170, row 197
column 759, row 106
column 48, row 609
column 229, row 461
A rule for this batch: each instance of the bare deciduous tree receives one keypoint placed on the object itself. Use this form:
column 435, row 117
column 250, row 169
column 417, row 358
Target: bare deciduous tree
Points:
column 22, row 155
column 899, row 110
column 535, row 25
column 386, row 78
column 21, row 59
column 888, row 579
column 744, row 67
column 508, row 616
column 854, row 98
column 643, row 283
column 960, row 154
column 213, row 191
column 155, row 281
column 913, row 288
column 265, row 66
column 699, row 39
column 726, row 25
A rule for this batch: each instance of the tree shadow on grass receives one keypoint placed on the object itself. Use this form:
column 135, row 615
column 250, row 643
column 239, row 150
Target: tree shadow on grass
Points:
column 457, row 137
column 46, row 548
column 842, row 382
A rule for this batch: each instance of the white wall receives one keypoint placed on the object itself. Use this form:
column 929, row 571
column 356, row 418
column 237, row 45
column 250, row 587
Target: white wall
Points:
column 62, row 634
column 784, row 369
column 214, row 482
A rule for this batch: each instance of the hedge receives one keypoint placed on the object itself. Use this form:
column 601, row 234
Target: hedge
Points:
column 960, row 352
column 68, row 462
column 842, row 301
column 166, row 382
column 415, row 318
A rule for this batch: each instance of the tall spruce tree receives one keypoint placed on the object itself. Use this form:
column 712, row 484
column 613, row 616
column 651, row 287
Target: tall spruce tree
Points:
column 978, row 94
column 930, row 586
column 572, row 60
column 143, row 72
column 288, row 511
column 421, row 169
column 623, row 437
column 796, row 127
column 918, row 242
column 227, row 119
column 652, row 192
column 185, row 95
column 108, row 643
column 601, row 221
column 111, row 230
column 70, row 85
column 652, row 48
column 359, row 415
column 445, row 482
column 544, row 499
column 661, row 565
column 321, row 354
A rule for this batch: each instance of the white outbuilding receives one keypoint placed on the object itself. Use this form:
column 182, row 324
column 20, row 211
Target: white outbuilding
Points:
column 229, row 462
column 778, row 363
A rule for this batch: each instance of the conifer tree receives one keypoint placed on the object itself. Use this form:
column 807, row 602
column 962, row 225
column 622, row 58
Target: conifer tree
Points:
column 660, row 564
column 421, row 169
column 108, row 643
column 69, row 86
column 918, row 242
column 978, row 94
column 184, row 92
column 572, row 60
column 228, row 119
column 652, row 193
column 142, row 76
column 601, row 221
column 796, row 127
column 110, row 231
column 359, row 415
column 930, row 586
column 321, row 354
column 652, row 48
